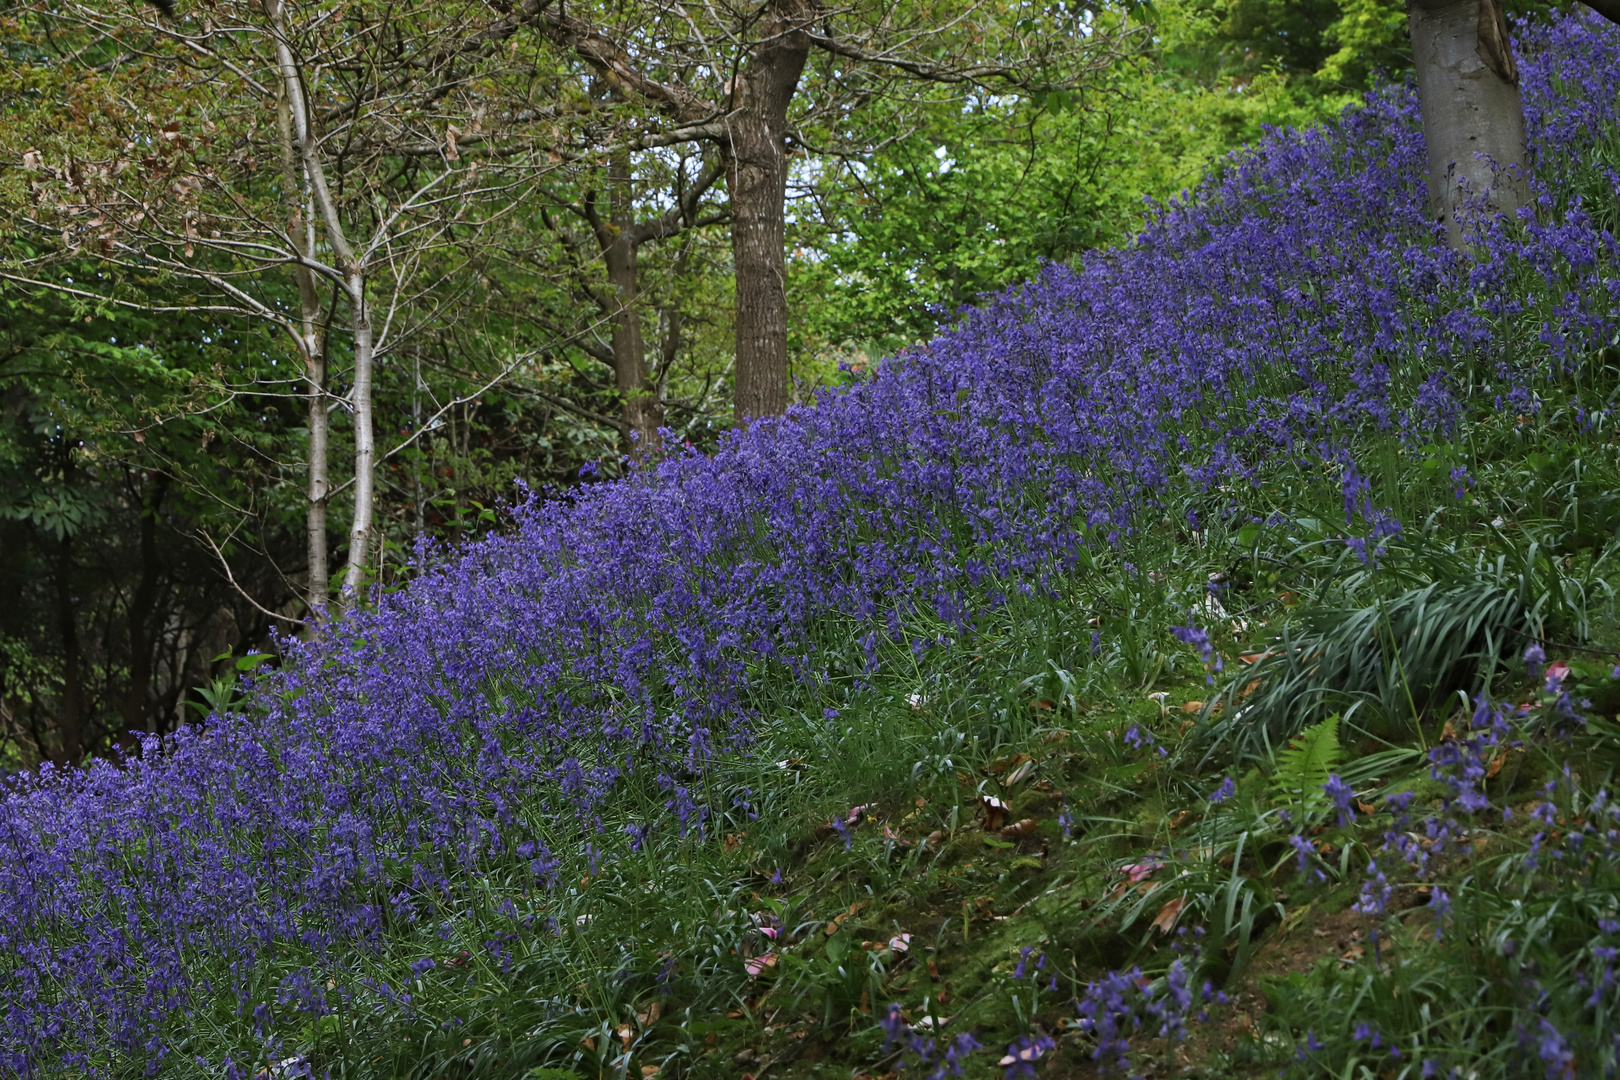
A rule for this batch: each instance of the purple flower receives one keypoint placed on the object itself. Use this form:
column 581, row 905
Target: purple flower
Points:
column 1339, row 792
column 1224, row 792
column 1021, row 1056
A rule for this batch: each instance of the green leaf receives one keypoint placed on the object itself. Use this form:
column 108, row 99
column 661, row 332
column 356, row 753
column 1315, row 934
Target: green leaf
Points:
column 1305, row 765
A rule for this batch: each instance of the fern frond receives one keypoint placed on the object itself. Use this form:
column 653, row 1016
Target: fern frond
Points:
column 1305, row 764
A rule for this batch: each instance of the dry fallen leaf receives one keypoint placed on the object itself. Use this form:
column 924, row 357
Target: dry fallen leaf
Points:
column 995, row 813
column 1165, row 920
column 1191, row 706
column 1019, row 774
column 1019, row 829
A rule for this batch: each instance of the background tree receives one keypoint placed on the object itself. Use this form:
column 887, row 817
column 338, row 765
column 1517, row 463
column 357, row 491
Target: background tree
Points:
column 171, row 437
column 760, row 83
column 312, row 142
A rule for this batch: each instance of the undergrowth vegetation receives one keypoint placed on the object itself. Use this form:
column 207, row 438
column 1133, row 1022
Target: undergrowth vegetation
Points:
column 1197, row 661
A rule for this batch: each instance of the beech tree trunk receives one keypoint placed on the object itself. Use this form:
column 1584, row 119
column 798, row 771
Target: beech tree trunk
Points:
column 642, row 411
column 756, row 172
column 1468, row 87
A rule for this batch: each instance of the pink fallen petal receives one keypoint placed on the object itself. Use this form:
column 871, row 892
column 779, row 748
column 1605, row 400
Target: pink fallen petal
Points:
column 1139, row 871
column 756, row 965
column 900, row 943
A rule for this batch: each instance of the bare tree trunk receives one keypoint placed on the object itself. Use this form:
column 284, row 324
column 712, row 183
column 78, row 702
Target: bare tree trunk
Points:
column 316, row 495
column 756, row 171
column 365, row 441
column 301, row 227
column 136, row 715
column 354, row 284
column 643, row 412
column 1468, row 86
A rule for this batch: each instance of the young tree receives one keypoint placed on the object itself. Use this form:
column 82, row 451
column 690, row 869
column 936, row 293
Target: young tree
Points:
column 762, row 82
column 361, row 151
column 669, row 199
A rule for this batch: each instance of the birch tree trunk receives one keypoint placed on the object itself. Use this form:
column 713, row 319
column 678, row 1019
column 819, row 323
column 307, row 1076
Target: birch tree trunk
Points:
column 365, row 443
column 312, row 353
column 326, row 208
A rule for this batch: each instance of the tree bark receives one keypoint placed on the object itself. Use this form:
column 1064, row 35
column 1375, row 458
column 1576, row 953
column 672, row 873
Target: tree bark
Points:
column 136, row 715
column 756, row 171
column 365, row 442
column 312, row 352
column 1468, row 87
column 642, row 411
column 325, row 206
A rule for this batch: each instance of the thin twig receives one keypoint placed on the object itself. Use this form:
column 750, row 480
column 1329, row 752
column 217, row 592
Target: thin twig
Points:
column 232, row 579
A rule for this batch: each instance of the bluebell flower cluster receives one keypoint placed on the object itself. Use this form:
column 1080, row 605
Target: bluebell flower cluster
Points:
column 941, row 1057
column 1297, row 301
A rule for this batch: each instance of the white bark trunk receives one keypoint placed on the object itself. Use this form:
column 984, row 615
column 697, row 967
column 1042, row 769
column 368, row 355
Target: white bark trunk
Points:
column 300, row 229
column 365, row 447
column 354, row 285
column 1468, row 86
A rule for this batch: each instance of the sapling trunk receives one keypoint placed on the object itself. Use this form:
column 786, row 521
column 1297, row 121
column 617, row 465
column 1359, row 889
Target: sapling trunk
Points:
column 312, row 352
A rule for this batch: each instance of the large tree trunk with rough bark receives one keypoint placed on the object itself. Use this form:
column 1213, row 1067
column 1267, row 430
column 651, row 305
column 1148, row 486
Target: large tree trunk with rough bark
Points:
column 756, row 171
column 1468, row 86
column 642, row 411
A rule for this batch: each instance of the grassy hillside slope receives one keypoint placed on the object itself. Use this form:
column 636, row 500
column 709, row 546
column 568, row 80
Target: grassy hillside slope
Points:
column 1202, row 655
